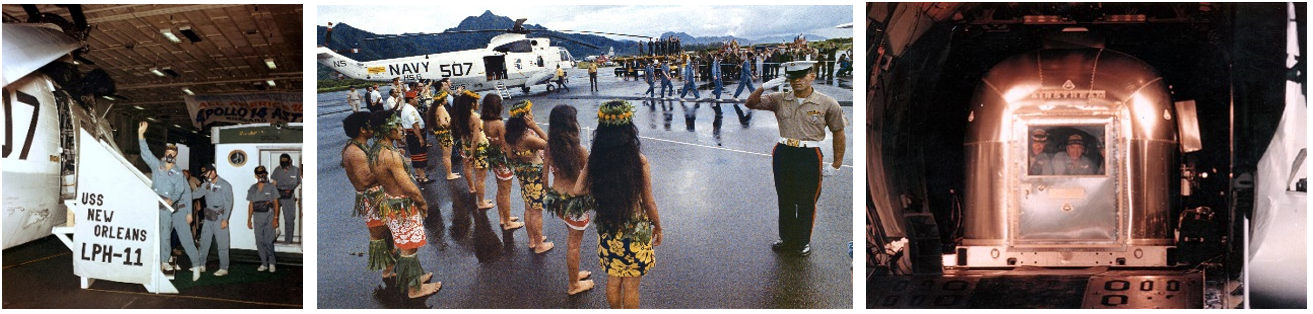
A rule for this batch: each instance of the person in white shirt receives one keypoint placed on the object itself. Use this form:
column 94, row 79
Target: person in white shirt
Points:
column 413, row 124
column 394, row 101
column 376, row 99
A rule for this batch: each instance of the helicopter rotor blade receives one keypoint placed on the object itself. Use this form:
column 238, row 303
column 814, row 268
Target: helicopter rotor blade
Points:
column 605, row 33
column 570, row 40
column 409, row 35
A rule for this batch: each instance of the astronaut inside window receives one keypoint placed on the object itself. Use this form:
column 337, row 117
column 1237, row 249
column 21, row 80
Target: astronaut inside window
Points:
column 1065, row 151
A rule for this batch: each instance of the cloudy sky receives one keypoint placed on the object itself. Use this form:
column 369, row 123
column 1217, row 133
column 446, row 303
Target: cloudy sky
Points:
column 743, row 21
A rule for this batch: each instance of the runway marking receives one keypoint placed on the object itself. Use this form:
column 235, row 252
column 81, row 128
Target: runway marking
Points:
column 585, row 130
column 200, row 298
column 37, row 260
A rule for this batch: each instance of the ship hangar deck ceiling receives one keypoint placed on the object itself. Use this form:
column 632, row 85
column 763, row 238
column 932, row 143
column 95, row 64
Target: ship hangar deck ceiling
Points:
column 235, row 44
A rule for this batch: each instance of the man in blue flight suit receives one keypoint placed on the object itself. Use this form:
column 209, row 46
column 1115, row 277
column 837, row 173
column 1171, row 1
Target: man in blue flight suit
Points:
column 745, row 76
column 715, row 77
column 218, row 196
column 689, row 83
column 663, row 72
column 647, row 73
column 286, row 179
column 262, row 216
column 167, row 181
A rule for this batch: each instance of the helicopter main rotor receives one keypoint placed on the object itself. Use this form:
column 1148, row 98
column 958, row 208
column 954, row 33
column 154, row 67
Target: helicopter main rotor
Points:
column 518, row 28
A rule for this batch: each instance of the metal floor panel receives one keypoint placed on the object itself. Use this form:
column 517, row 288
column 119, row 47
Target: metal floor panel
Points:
column 1092, row 288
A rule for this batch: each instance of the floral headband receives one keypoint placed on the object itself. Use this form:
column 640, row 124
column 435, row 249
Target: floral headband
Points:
column 471, row 94
column 393, row 122
column 615, row 112
column 521, row 108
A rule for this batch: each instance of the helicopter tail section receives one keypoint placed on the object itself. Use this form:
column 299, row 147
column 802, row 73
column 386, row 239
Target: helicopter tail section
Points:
column 346, row 66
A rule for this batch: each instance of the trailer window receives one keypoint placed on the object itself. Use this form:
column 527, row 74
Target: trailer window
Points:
column 1065, row 150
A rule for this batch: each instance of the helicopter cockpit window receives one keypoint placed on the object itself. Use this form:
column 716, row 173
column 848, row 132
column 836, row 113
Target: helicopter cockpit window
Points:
column 515, row 46
column 1076, row 150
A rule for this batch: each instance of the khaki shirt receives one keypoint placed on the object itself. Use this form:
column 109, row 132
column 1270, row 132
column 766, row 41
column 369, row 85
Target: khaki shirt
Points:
column 806, row 121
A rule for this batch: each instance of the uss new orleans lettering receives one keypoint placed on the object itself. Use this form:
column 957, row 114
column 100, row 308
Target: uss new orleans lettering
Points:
column 408, row 68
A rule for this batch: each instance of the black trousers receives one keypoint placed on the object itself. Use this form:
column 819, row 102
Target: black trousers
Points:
column 798, row 185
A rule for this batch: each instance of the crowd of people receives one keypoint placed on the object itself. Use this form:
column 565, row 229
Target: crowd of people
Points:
column 608, row 184
column 553, row 169
column 670, row 46
column 206, row 202
column 729, row 62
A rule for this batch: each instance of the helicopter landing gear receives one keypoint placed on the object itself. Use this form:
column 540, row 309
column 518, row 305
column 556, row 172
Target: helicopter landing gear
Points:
column 524, row 89
column 550, row 88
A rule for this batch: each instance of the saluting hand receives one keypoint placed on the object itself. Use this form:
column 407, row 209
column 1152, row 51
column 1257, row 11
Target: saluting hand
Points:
column 772, row 84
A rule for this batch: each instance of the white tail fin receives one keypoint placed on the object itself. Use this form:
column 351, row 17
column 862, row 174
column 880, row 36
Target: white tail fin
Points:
column 344, row 65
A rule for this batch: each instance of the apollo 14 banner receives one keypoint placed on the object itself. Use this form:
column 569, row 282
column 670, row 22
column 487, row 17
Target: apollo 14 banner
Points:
column 244, row 108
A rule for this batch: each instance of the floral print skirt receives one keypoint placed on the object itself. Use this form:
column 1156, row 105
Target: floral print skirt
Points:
column 626, row 251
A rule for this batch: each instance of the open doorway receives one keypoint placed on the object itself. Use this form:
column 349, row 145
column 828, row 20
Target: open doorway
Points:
column 269, row 159
column 496, row 66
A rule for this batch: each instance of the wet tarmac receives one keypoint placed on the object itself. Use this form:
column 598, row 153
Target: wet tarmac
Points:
column 713, row 185
column 39, row 274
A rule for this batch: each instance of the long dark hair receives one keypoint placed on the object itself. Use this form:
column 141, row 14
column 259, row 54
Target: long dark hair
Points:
column 462, row 109
column 515, row 128
column 615, row 173
column 563, row 140
column 491, row 107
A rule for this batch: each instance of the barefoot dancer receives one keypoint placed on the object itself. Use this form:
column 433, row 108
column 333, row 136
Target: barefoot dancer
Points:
column 402, row 206
column 525, row 150
column 442, row 131
column 355, row 161
column 618, row 178
column 497, row 162
column 565, row 157
column 466, row 126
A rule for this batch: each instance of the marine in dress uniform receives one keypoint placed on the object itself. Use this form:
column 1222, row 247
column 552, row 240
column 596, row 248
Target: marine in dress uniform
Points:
column 803, row 115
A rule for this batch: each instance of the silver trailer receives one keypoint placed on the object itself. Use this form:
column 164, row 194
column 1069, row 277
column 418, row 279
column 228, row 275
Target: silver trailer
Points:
column 1098, row 192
